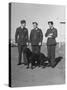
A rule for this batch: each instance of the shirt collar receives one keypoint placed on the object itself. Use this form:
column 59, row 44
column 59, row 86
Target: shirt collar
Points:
column 22, row 28
column 52, row 28
column 36, row 28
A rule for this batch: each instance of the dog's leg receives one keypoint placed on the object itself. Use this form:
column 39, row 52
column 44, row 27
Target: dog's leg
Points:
column 32, row 64
column 28, row 64
column 38, row 61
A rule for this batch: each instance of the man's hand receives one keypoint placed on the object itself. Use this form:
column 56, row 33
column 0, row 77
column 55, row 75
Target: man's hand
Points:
column 27, row 43
column 50, row 35
column 40, row 43
column 16, row 44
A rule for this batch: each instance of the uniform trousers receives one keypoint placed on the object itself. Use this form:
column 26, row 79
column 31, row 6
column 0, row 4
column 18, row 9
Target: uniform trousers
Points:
column 36, row 49
column 51, row 54
column 20, row 52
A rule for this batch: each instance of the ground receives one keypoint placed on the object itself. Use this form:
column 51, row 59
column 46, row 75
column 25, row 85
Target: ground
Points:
column 48, row 76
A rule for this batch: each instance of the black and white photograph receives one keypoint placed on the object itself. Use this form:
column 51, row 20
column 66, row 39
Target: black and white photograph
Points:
column 36, row 44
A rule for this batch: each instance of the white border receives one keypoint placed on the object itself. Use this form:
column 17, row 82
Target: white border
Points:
column 4, row 43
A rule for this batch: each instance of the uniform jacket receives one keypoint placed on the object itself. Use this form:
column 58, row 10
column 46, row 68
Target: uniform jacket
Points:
column 36, row 36
column 21, row 36
column 51, row 40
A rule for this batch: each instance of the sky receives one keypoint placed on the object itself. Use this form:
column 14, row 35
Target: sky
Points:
column 41, row 13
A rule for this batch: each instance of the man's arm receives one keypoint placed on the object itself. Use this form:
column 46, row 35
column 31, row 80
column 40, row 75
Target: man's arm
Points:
column 26, row 36
column 41, row 36
column 16, row 35
column 46, row 34
column 31, row 35
column 54, row 34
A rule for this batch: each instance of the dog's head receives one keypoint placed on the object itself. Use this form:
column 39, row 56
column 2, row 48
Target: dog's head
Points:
column 42, row 56
column 27, row 51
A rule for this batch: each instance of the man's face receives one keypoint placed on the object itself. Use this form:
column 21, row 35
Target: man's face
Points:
column 23, row 25
column 34, row 25
column 50, row 25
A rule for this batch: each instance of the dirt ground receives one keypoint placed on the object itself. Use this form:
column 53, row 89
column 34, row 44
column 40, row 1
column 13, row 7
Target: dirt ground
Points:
column 22, row 77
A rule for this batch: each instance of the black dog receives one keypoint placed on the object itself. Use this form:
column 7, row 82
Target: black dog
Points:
column 31, row 58
column 35, row 59
column 57, row 60
column 43, row 60
column 28, row 54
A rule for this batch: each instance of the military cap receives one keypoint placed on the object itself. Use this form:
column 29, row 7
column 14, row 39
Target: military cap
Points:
column 23, row 21
column 35, row 23
column 50, row 22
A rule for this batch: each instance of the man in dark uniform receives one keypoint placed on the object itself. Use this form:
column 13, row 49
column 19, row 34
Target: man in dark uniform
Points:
column 36, row 37
column 51, row 34
column 21, row 38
